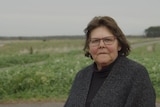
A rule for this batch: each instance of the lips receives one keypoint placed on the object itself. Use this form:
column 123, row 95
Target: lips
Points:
column 102, row 53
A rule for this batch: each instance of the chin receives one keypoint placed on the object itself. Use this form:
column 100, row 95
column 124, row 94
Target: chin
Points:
column 104, row 61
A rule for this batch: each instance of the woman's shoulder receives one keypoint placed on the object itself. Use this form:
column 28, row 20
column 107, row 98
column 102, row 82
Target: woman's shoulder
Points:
column 86, row 70
column 125, row 61
column 130, row 66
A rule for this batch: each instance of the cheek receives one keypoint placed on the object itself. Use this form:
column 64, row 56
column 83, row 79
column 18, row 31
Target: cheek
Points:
column 111, row 49
column 93, row 51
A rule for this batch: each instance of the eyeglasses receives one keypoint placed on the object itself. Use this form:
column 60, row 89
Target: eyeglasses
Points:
column 106, row 40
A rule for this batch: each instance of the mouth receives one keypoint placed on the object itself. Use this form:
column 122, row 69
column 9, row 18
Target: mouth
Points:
column 102, row 53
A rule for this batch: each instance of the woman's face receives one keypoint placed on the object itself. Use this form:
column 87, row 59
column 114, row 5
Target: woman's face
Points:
column 103, row 47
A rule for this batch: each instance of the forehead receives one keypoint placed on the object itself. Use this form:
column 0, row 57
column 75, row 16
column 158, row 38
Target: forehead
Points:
column 100, row 32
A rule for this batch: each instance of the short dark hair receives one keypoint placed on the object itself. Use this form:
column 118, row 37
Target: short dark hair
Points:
column 111, row 24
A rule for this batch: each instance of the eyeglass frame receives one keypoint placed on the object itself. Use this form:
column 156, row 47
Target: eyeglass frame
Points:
column 109, row 41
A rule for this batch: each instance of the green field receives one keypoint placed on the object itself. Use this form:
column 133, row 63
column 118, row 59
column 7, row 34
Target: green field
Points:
column 42, row 70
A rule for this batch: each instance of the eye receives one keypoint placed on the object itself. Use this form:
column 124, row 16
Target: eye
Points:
column 108, row 40
column 95, row 41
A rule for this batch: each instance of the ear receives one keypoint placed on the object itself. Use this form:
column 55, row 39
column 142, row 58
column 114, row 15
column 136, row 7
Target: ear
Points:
column 90, row 54
column 119, row 48
column 88, row 50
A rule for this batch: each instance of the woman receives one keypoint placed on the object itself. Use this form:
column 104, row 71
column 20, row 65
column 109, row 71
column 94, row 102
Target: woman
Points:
column 112, row 80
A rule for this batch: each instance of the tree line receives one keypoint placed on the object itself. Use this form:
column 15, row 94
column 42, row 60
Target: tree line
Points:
column 153, row 31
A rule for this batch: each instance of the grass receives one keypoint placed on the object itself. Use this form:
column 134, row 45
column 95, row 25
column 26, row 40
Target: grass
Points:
column 41, row 70
column 151, row 60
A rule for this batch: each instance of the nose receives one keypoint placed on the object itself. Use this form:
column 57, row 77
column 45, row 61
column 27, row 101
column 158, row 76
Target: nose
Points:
column 101, row 43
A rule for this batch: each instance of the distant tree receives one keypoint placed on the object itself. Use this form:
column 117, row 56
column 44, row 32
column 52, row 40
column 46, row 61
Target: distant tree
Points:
column 153, row 31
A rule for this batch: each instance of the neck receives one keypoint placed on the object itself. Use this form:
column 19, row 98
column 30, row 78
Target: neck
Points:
column 101, row 66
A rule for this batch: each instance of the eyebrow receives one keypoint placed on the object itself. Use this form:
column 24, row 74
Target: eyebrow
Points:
column 103, row 37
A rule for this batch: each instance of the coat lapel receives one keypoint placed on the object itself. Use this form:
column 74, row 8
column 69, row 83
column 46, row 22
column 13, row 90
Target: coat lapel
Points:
column 107, row 90
column 83, row 86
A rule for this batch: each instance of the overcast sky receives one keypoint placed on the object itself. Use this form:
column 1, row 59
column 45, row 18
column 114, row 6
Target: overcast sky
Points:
column 70, row 17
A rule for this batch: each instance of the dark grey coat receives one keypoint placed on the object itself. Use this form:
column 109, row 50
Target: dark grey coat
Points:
column 127, row 85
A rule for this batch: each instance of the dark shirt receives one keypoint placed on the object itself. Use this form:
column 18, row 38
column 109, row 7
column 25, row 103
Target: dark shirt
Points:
column 98, row 78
